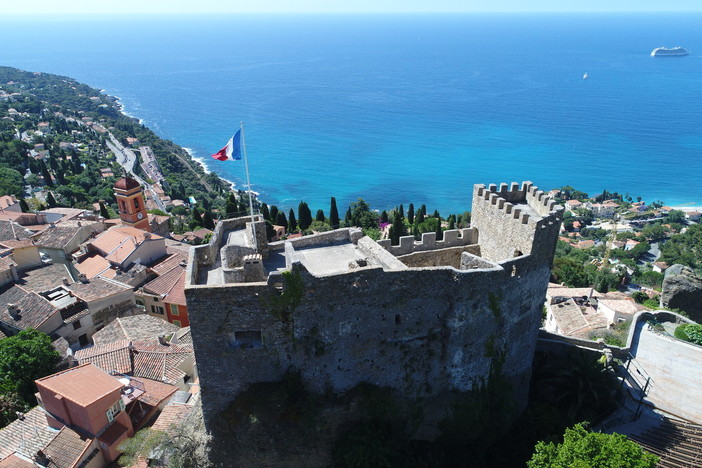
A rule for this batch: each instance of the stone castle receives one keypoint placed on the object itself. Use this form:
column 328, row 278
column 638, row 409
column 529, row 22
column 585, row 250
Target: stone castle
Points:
column 423, row 317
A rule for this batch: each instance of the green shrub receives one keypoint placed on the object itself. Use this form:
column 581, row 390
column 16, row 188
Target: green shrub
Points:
column 691, row 332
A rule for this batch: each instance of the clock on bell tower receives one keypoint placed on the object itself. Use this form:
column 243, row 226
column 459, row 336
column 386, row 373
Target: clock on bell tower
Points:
column 130, row 200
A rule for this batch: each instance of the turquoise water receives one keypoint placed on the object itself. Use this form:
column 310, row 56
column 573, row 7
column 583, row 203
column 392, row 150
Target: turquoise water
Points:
column 404, row 108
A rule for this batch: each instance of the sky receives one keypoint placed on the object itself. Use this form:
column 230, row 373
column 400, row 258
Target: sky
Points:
column 339, row 6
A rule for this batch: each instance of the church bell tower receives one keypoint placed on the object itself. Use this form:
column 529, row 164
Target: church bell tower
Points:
column 130, row 199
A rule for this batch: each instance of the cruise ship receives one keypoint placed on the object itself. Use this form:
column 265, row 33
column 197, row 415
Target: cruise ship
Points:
column 666, row 52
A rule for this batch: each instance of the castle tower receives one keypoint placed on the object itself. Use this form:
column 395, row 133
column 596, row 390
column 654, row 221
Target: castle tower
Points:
column 130, row 199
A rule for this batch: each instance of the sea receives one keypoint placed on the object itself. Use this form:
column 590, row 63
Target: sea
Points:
column 400, row 108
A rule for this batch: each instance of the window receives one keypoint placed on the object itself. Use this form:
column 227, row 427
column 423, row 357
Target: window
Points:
column 140, row 304
column 114, row 410
column 76, row 324
column 174, row 310
column 157, row 310
column 136, row 203
column 247, row 339
column 123, row 205
column 177, row 323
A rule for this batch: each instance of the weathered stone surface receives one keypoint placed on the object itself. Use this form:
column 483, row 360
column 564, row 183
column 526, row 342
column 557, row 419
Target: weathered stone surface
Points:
column 682, row 289
column 434, row 326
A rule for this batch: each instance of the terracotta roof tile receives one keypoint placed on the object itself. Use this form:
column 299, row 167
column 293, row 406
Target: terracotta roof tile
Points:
column 34, row 310
column 177, row 294
column 83, row 384
column 169, row 262
column 7, row 201
column 137, row 327
column 17, row 244
column 57, row 236
column 67, row 448
column 182, row 336
column 108, row 357
column 156, row 392
column 160, row 362
column 26, row 435
column 96, row 288
column 44, row 278
column 10, row 230
column 13, row 461
column 163, row 284
column 93, row 266
column 172, row 415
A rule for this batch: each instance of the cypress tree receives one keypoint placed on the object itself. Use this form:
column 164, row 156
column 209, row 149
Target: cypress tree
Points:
column 304, row 215
column 347, row 218
column 264, row 211
column 45, row 174
column 402, row 211
column 274, row 216
column 50, row 200
column 207, row 220
column 103, row 210
column 423, row 209
column 292, row 222
column 197, row 217
column 333, row 214
column 384, row 216
column 270, row 231
column 436, row 214
column 410, row 213
column 439, row 232
column 320, row 216
column 24, row 206
column 281, row 220
column 419, row 219
column 397, row 229
column 232, row 206
column 452, row 222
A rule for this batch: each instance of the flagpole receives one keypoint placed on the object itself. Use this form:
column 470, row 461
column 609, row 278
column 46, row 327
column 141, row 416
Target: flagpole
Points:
column 248, row 182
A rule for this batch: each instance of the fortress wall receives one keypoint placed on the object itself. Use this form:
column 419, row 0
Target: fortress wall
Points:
column 452, row 238
column 423, row 331
column 443, row 257
column 507, row 230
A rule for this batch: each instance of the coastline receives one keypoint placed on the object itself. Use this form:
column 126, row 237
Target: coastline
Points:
column 201, row 161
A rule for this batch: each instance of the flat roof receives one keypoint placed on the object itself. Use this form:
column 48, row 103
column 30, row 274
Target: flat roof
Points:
column 329, row 259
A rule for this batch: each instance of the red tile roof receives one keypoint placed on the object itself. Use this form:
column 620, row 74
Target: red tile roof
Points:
column 13, row 437
column 163, row 284
column 156, row 392
column 96, row 288
column 177, row 294
column 172, row 415
column 126, row 183
column 93, row 266
column 13, row 461
column 83, row 385
column 67, row 448
column 108, row 357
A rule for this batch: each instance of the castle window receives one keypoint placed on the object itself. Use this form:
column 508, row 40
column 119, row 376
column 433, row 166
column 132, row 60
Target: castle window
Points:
column 123, row 205
column 398, row 319
column 76, row 324
column 136, row 203
column 247, row 339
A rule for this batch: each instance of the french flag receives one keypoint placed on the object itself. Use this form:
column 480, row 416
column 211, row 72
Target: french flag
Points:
column 232, row 150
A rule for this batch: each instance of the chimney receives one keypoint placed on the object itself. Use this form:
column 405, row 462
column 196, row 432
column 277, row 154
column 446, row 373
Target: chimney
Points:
column 13, row 310
column 82, row 278
column 65, row 281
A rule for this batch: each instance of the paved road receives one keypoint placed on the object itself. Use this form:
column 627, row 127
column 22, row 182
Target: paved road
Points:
column 126, row 158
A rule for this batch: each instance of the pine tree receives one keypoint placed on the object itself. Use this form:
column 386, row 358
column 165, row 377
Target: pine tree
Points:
column 333, row 214
column 320, row 216
column 410, row 213
column 274, row 216
column 292, row 222
column 281, row 220
column 207, row 220
column 103, row 210
column 50, row 200
column 436, row 214
column 304, row 216
column 264, row 211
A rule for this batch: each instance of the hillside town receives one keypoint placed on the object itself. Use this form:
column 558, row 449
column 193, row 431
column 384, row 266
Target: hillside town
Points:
column 166, row 302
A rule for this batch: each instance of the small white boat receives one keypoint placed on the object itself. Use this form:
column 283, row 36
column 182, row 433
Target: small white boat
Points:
column 585, row 77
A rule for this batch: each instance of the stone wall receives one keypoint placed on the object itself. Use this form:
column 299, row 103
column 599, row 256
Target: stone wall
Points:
column 421, row 330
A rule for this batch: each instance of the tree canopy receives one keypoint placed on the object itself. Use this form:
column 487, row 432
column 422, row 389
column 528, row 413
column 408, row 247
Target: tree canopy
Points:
column 582, row 448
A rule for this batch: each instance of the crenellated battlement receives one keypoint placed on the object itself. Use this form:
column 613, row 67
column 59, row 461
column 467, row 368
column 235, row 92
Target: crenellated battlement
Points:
column 514, row 217
column 452, row 238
